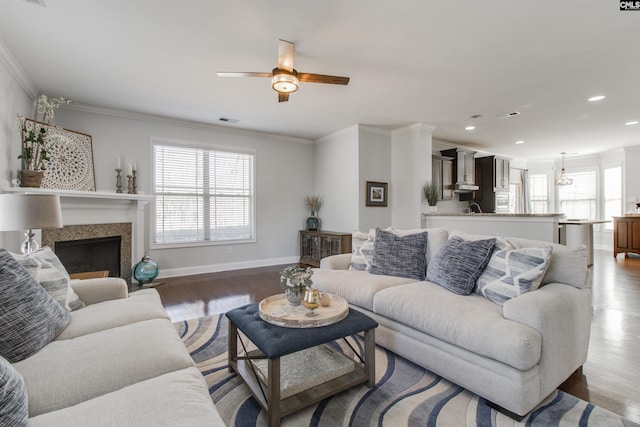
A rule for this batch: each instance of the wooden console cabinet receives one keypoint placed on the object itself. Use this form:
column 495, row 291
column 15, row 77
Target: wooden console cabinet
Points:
column 626, row 235
column 315, row 245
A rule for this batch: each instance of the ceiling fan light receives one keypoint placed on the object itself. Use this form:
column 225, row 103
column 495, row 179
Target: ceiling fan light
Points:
column 285, row 83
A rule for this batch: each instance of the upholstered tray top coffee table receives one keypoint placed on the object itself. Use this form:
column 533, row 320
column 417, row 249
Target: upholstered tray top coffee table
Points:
column 276, row 344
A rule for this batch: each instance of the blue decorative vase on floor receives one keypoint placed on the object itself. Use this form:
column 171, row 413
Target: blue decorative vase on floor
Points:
column 145, row 271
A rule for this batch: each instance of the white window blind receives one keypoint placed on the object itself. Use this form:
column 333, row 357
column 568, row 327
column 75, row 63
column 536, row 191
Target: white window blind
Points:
column 202, row 195
column 612, row 194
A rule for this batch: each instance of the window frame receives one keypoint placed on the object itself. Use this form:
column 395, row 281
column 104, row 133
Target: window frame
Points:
column 596, row 199
column 208, row 147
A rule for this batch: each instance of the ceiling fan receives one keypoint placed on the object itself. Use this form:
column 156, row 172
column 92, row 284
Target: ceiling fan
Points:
column 284, row 78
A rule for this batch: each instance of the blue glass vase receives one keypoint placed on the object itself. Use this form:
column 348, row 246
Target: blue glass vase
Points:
column 145, row 271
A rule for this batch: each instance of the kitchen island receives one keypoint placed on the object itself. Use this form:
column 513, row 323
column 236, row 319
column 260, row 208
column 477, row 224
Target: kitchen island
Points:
column 529, row 226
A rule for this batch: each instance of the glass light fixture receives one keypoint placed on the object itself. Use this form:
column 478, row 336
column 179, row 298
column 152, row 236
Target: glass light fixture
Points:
column 284, row 81
column 563, row 179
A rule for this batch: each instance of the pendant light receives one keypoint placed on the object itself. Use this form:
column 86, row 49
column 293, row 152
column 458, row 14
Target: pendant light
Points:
column 563, row 179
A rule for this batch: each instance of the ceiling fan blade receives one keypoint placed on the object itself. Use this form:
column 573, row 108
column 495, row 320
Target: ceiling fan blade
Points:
column 285, row 55
column 322, row 78
column 283, row 97
column 241, row 74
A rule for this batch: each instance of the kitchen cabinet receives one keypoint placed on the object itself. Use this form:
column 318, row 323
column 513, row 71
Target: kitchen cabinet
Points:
column 442, row 175
column 626, row 235
column 315, row 245
column 492, row 179
column 463, row 168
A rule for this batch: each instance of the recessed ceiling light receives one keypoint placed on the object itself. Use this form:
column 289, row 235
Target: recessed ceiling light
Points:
column 470, row 128
column 635, row 122
column 596, row 98
column 519, row 142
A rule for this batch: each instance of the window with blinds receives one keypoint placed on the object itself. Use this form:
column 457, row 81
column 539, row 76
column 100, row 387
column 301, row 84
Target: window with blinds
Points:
column 202, row 195
column 578, row 200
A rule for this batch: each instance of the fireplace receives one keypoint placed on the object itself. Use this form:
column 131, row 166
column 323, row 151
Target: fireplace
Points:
column 92, row 247
column 97, row 254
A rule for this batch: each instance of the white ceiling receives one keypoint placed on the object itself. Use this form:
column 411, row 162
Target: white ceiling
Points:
column 432, row 61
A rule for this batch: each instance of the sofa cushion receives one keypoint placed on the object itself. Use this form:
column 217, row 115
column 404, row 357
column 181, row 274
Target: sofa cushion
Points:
column 104, row 361
column 13, row 396
column 568, row 264
column 47, row 269
column 400, row 256
column 459, row 264
column 357, row 287
column 139, row 306
column 361, row 250
column 177, row 399
column 513, row 272
column 29, row 317
column 470, row 322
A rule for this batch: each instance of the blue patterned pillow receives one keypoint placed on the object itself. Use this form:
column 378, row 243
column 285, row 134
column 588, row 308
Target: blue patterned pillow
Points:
column 457, row 266
column 513, row 272
column 399, row 256
column 13, row 396
column 29, row 317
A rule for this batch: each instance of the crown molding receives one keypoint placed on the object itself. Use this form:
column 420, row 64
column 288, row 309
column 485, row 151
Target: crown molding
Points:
column 416, row 126
column 153, row 118
column 16, row 70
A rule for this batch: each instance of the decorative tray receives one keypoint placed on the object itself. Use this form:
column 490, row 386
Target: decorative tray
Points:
column 277, row 311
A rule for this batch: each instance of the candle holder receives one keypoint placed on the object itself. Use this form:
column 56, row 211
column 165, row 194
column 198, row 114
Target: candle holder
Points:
column 134, row 182
column 118, row 181
column 129, row 184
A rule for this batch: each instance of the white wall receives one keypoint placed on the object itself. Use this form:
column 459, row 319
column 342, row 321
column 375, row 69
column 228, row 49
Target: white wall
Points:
column 14, row 101
column 374, row 160
column 411, row 150
column 284, row 176
column 336, row 179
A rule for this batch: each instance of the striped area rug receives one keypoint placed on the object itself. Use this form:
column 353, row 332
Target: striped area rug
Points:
column 404, row 395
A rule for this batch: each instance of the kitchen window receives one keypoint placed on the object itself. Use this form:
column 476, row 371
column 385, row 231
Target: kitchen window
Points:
column 578, row 200
column 539, row 193
column 203, row 195
column 612, row 194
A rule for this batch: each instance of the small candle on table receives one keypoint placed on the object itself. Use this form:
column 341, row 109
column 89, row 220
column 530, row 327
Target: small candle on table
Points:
column 118, row 163
column 129, row 169
column 135, row 167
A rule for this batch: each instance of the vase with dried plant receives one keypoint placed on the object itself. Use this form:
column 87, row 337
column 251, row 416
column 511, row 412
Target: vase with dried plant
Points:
column 313, row 204
column 35, row 139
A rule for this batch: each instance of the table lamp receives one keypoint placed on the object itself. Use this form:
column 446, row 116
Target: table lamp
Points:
column 27, row 212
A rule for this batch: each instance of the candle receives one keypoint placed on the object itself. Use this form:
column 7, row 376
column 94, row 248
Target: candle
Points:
column 118, row 163
column 135, row 167
column 129, row 169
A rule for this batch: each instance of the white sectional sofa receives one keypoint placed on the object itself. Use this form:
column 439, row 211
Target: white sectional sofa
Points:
column 118, row 361
column 514, row 355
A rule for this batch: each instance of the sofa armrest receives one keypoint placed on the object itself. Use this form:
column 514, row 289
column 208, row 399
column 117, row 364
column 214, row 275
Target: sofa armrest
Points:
column 562, row 316
column 92, row 291
column 336, row 262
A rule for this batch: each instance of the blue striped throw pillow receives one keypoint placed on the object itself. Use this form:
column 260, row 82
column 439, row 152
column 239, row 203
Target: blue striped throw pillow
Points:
column 399, row 256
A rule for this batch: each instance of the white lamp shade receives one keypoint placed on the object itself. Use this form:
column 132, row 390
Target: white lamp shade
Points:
column 29, row 211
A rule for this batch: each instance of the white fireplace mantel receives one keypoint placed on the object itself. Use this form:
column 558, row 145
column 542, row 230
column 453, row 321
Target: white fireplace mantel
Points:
column 100, row 207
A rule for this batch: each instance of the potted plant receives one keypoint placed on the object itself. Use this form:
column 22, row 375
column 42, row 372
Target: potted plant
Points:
column 35, row 139
column 431, row 191
column 295, row 280
column 313, row 204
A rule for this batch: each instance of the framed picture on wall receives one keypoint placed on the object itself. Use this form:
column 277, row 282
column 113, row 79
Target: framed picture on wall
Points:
column 377, row 193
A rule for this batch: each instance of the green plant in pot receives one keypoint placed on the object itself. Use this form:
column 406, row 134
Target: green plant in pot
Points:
column 36, row 141
column 431, row 192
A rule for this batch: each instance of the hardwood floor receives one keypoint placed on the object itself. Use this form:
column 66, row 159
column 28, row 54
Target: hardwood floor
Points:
column 609, row 378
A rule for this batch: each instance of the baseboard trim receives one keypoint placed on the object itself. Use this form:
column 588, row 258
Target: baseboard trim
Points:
column 215, row 268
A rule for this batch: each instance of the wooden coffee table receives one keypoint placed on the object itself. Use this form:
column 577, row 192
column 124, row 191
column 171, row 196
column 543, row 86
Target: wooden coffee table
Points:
column 275, row 342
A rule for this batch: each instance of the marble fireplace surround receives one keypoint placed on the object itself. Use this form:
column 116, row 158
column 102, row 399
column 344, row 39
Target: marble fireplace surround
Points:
column 51, row 236
column 102, row 210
